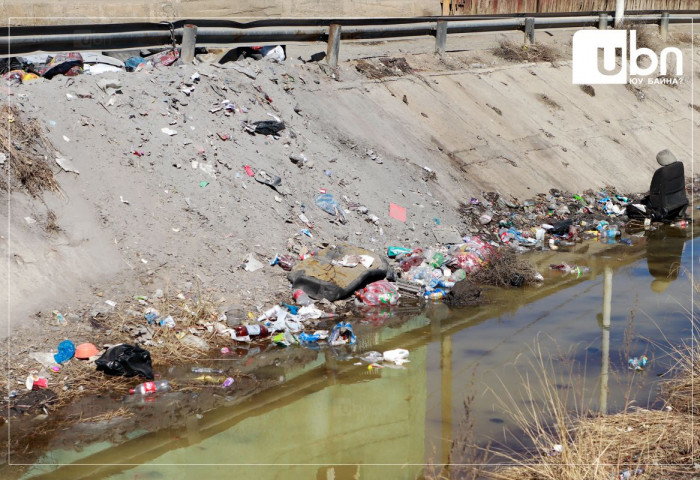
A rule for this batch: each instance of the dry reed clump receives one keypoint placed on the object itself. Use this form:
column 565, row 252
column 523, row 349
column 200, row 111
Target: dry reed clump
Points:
column 27, row 148
column 588, row 90
column 505, row 269
column 190, row 312
column 659, row 443
column 686, row 37
column 537, row 52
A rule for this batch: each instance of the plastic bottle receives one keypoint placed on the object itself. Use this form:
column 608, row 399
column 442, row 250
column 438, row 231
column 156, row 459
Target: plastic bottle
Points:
column 437, row 260
column 458, row 275
column 301, row 297
column 437, row 294
column 206, row 370
column 252, row 330
column 412, row 261
column 150, row 387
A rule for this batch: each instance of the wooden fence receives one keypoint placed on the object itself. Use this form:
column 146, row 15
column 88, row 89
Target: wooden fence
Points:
column 485, row 7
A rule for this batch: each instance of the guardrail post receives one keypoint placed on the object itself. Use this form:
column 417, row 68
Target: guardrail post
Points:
column 333, row 45
column 619, row 12
column 663, row 27
column 189, row 40
column 603, row 21
column 529, row 30
column 440, row 37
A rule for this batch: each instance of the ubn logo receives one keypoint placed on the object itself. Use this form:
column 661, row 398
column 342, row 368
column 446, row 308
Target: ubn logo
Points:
column 588, row 43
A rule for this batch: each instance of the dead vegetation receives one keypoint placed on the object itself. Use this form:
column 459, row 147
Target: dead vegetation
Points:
column 548, row 101
column 646, row 36
column 536, row 52
column 636, row 91
column 505, row 269
column 383, row 67
column 686, row 37
column 26, row 150
column 51, row 225
column 694, row 107
column 588, row 90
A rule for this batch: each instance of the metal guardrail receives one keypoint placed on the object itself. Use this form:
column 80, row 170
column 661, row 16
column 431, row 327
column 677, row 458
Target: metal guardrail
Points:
column 24, row 40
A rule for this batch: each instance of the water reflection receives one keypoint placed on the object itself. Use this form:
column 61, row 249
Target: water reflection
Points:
column 333, row 413
column 664, row 252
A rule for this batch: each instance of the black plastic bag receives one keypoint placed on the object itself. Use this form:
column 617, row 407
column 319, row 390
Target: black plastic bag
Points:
column 268, row 127
column 126, row 360
column 561, row 228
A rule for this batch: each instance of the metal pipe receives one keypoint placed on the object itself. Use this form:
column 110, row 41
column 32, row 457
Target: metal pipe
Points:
column 619, row 12
column 189, row 40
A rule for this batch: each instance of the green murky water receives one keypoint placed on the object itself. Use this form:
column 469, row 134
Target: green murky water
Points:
column 328, row 418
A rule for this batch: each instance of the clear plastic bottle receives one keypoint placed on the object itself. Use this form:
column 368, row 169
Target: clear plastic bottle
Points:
column 206, row 370
column 150, row 387
column 301, row 298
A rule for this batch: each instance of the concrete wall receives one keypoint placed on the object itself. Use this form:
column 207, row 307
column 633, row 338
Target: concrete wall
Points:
column 38, row 12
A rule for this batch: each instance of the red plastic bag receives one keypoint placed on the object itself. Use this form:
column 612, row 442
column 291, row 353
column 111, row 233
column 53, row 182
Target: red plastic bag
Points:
column 381, row 292
column 165, row 58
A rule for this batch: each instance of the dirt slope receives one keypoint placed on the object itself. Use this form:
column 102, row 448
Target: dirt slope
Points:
column 478, row 122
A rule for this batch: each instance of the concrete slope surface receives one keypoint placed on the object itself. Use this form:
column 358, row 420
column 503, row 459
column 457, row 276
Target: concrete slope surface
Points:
column 152, row 210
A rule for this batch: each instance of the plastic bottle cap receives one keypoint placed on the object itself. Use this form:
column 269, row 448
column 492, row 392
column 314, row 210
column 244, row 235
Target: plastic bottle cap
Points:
column 131, row 391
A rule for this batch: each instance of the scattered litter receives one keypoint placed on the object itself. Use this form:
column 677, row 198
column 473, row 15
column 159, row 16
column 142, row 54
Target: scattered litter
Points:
column 66, row 351
column 122, row 200
column 66, row 165
column 265, row 127
column 328, row 204
column 168, row 131
column 397, row 212
column 126, row 360
column 252, row 264
column 342, row 334
column 398, row 356
column 637, row 364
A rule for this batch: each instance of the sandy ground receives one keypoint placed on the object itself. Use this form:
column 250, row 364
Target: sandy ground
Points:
column 131, row 224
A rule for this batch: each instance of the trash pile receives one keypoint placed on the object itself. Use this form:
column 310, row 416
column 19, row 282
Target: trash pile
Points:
column 436, row 271
column 560, row 219
column 31, row 67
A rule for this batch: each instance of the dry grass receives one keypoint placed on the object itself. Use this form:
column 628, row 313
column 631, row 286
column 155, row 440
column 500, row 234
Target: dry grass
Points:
column 548, row 101
column 658, row 442
column 536, row 52
column 190, row 314
column 28, row 149
column 106, row 417
column 501, row 269
column 51, row 225
column 637, row 91
column 588, row 90
column 686, row 37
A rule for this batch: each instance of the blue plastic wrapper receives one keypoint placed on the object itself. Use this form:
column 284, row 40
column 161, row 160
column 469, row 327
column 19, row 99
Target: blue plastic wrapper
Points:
column 342, row 333
column 308, row 338
column 328, row 204
column 132, row 63
column 66, row 350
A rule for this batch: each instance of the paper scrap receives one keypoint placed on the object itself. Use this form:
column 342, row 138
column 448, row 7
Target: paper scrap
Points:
column 397, row 212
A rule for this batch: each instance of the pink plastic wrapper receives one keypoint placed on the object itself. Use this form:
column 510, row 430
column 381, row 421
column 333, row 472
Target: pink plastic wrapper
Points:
column 381, row 292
